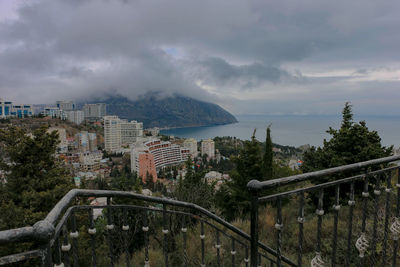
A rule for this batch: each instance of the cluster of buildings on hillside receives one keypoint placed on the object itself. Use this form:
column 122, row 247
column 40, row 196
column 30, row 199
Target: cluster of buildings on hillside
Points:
column 66, row 110
column 80, row 151
column 148, row 153
column 81, row 154
column 8, row 109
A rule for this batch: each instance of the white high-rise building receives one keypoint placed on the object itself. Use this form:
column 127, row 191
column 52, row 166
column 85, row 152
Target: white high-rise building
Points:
column 191, row 144
column 112, row 133
column 119, row 132
column 66, row 105
column 75, row 116
column 208, row 148
column 94, row 111
column 130, row 131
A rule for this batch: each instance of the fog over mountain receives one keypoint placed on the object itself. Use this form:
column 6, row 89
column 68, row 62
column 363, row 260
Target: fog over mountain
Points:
column 265, row 57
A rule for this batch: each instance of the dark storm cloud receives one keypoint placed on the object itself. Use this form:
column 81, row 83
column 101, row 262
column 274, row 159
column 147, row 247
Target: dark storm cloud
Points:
column 208, row 49
column 219, row 72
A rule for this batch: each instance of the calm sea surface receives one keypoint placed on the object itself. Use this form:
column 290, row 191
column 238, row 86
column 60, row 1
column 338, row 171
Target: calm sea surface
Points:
column 291, row 130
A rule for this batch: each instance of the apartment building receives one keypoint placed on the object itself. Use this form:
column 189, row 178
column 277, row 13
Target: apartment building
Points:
column 82, row 139
column 94, row 112
column 119, row 132
column 147, row 167
column 75, row 116
column 208, row 148
column 112, row 133
column 55, row 112
column 92, row 141
column 191, row 144
column 130, row 131
column 65, row 105
column 8, row 109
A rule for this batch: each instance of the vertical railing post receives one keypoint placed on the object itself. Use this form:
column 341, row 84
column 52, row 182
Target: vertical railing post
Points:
column 254, row 229
column 46, row 257
column 165, row 232
column 44, row 232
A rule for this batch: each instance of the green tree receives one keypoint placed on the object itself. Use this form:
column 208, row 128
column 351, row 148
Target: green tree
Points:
column 268, row 157
column 193, row 188
column 233, row 197
column 35, row 178
column 352, row 143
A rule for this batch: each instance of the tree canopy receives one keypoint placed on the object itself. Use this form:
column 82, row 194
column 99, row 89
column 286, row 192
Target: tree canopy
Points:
column 35, row 180
column 233, row 197
column 352, row 143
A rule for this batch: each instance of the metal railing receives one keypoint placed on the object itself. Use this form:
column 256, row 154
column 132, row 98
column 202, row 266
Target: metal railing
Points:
column 135, row 229
column 369, row 225
column 71, row 236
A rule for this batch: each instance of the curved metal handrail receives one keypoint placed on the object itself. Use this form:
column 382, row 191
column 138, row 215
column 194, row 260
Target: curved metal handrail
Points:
column 255, row 185
column 45, row 230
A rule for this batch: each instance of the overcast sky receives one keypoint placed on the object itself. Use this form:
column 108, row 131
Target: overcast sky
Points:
column 253, row 56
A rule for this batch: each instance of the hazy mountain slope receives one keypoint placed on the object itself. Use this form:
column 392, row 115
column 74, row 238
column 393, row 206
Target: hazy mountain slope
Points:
column 174, row 111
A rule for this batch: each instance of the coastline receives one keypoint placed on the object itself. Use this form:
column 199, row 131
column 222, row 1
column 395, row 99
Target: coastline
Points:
column 194, row 126
column 289, row 130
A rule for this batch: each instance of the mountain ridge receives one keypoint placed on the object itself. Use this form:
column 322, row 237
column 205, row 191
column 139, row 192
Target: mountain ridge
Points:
column 170, row 111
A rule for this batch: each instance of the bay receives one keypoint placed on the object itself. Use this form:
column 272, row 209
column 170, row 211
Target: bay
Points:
column 293, row 130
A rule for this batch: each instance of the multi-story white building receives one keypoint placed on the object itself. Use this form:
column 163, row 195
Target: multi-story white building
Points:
column 55, row 112
column 154, row 131
column 94, row 111
column 22, row 111
column 163, row 153
column 119, row 132
column 75, row 116
column 65, row 105
column 191, row 144
column 7, row 109
column 92, row 141
column 130, row 131
column 112, row 133
column 208, row 148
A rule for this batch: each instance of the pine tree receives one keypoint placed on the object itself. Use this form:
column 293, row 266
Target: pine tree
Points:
column 268, row 157
column 233, row 198
column 352, row 143
column 35, row 178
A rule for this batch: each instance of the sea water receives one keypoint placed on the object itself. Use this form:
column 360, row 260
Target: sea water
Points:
column 293, row 130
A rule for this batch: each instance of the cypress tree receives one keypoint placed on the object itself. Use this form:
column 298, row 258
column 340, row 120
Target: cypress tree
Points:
column 268, row 157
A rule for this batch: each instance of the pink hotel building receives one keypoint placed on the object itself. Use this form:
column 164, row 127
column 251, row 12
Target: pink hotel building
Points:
column 162, row 154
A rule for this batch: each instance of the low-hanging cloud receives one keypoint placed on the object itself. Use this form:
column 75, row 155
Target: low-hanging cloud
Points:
column 219, row 51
